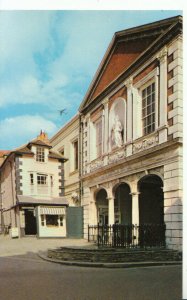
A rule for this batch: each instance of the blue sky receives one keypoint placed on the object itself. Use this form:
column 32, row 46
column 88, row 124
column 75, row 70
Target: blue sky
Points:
column 47, row 61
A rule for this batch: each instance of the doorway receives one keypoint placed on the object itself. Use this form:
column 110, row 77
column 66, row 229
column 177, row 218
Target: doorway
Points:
column 30, row 222
column 151, row 200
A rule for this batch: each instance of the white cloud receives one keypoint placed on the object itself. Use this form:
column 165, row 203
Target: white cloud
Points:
column 21, row 129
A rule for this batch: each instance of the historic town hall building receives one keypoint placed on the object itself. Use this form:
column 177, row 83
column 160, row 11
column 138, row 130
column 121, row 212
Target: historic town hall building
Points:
column 131, row 132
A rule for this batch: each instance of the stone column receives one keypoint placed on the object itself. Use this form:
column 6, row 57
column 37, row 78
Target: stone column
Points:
column 135, row 208
column 162, row 126
column 111, row 210
column 93, row 220
column 135, row 216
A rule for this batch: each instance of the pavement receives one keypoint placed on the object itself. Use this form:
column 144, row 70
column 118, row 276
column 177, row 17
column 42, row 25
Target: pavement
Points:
column 21, row 246
column 33, row 245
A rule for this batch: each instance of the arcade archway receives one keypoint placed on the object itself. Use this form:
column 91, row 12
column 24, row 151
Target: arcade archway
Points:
column 123, row 204
column 102, row 207
column 151, row 200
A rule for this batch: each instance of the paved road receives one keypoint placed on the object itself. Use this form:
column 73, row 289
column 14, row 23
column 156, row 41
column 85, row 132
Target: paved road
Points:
column 24, row 276
column 27, row 277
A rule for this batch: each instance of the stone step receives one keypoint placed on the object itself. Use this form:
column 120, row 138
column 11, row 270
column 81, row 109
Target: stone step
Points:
column 113, row 255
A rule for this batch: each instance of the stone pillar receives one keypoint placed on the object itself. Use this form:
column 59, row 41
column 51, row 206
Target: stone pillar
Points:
column 93, row 219
column 135, row 208
column 162, row 126
column 111, row 211
column 135, row 216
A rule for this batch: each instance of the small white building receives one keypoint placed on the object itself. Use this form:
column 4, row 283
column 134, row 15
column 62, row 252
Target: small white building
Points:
column 32, row 190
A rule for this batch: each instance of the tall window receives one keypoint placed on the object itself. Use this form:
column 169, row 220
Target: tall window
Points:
column 40, row 154
column 76, row 155
column 98, row 131
column 148, row 108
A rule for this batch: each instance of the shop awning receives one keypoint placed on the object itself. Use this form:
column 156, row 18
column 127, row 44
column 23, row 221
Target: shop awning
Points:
column 52, row 211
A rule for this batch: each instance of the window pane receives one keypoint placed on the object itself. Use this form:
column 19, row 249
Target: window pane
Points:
column 148, row 109
column 144, row 103
column 144, row 93
column 149, row 90
column 51, row 220
column 153, row 87
column 149, row 100
column 144, row 112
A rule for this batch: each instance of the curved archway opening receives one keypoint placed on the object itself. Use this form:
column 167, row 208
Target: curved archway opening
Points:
column 102, row 207
column 123, row 204
column 151, row 200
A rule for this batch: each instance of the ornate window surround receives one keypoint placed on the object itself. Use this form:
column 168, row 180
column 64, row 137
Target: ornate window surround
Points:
column 137, row 93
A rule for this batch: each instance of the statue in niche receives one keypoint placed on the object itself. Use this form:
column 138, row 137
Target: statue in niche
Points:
column 117, row 132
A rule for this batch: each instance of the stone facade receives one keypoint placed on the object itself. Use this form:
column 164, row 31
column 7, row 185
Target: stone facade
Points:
column 64, row 142
column 148, row 154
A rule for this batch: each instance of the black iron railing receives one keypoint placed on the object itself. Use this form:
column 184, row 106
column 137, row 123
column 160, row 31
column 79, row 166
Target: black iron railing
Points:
column 128, row 236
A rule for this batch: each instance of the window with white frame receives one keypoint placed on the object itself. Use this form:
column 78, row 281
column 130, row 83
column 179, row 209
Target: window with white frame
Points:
column 99, row 136
column 42, row 179
column 148, row 108
column 40, row 154
column 52, row 220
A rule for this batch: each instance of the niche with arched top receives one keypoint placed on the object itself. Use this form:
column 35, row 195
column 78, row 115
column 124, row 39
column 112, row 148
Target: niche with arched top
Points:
column 117, row 124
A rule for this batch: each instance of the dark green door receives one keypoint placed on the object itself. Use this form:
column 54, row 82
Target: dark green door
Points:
column 74, row 222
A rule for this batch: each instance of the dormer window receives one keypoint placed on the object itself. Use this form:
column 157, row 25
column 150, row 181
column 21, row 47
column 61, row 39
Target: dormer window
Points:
column 40, row 154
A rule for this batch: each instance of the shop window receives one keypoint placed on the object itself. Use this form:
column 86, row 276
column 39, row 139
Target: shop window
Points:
column 52, row 220
column 41, row 179
column 40, row 154
column 148, row 108
column 42, row 220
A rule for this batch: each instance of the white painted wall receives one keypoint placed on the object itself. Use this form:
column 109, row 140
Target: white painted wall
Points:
column 49, row 167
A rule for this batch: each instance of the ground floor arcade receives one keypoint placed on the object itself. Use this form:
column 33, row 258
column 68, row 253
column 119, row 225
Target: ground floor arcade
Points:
column 144, row 190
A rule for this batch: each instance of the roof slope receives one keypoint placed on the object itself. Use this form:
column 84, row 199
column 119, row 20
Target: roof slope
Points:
column 126, row 47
